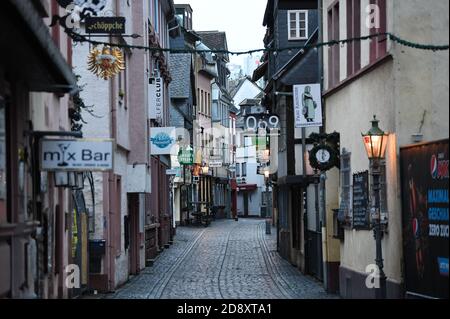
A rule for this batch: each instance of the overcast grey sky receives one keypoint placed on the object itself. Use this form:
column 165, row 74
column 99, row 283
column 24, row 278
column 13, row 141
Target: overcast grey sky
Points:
column 240, row 19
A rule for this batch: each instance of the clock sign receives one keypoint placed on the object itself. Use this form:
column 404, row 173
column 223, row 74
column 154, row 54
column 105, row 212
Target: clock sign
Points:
column 323, row 157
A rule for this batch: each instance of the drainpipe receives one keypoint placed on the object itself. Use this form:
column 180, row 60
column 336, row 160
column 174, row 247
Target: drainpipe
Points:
column 111, row 187
column 323, row 177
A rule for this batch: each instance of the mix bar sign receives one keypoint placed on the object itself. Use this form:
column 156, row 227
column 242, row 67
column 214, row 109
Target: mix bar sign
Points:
column 77, row 155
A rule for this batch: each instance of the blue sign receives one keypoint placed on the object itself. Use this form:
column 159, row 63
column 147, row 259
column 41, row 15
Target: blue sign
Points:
column 443, row 266
column 162, row 140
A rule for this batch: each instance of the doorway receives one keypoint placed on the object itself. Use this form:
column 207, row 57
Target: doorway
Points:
column 245, row 205
column 132, row 238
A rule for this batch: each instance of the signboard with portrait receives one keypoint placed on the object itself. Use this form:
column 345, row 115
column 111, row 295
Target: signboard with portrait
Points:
column 307, row 105
column 425, row 182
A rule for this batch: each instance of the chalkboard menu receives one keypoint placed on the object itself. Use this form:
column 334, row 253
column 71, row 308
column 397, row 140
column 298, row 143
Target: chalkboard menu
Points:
column 361, row 201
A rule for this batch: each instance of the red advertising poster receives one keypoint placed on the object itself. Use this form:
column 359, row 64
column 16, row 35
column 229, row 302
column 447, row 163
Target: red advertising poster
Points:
column 425, row 182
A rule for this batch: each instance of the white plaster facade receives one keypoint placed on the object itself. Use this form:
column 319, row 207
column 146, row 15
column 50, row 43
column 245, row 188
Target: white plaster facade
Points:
column 409, row 85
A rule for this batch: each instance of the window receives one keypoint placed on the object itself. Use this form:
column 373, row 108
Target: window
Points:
column 200, row 101
column 244, row 169
column 333, row 51
column 156, row 15
column 238, row 169
column 3, row 167
column 353, row 31
column 209, row 104
column 378, row 45
column 346, row 178
column 56, row 29
column 118, row 212
column 298, row 25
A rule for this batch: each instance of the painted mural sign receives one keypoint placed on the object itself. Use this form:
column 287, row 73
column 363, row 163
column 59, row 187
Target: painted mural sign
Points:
column 307, row 105
column 425, row 182
column 77, row 155
column 162, row 140
column 156, row 99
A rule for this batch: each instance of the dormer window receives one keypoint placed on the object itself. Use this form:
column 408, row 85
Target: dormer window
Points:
column 298, row 24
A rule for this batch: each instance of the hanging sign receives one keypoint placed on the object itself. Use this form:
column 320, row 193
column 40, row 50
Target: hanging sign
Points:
column 174, row 172
column 156, row 99
column 215, row 164
column 307, row 105
column 77, row 155
column 186, row 157
column 106, row 62
column 162, row 140
column 105, row 25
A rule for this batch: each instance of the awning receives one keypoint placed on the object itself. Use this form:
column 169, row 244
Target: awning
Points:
column 28, row 51
column 247, row 187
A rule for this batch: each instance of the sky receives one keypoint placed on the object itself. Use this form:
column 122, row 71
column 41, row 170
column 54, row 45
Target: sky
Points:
column 240, row 19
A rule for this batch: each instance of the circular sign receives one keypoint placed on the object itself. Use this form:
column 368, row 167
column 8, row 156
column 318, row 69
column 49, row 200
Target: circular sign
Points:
column 323, row 157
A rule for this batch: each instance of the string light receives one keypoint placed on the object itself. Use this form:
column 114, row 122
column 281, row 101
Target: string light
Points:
column 81, row 38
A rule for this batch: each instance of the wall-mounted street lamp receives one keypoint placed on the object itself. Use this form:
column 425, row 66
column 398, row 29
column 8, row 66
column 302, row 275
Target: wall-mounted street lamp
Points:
column 375, row 142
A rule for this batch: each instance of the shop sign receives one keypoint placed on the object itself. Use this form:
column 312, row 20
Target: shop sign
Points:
column 186, row 157
column 215, row 164
column 156, row 99
column 162, row 140
column 105, row 25
column 174, row 172
column 77, row 155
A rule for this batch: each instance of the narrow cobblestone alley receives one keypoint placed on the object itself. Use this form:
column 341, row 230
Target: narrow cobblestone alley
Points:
column 228, row 260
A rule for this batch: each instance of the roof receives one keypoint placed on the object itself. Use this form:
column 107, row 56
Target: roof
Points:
column 237, row 87
column 268, row 14
column 241, row 83
column 250, row 102
column 180, row 69
column 215, row 40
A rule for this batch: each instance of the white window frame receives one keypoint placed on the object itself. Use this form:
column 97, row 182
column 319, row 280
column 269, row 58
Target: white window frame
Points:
column 297, row 26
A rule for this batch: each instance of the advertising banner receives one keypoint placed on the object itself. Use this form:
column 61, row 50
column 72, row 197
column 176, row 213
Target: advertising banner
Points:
column 425, row 182
column 307, row 105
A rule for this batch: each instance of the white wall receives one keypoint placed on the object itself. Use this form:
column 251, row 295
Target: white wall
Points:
column 398, row 92
column 248, row 90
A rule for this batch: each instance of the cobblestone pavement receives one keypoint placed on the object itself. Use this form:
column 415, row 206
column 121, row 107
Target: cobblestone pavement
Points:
column 227, row 260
